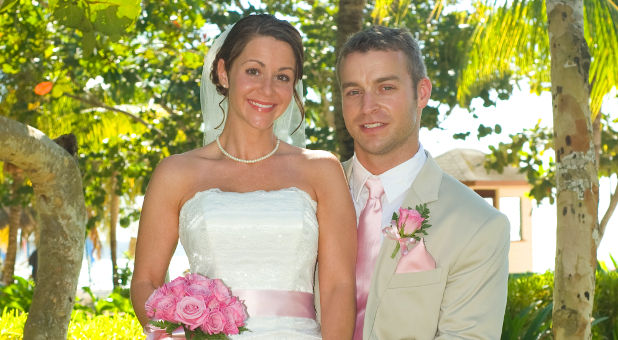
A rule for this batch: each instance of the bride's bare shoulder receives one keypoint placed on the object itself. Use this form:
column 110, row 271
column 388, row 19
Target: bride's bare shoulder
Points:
column 309, row 154
column 179, row 170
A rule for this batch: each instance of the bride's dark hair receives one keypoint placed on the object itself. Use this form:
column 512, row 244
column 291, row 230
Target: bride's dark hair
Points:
column 253, row 26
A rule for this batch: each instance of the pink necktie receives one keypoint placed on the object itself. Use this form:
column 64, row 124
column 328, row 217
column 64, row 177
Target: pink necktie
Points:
column 369, row 239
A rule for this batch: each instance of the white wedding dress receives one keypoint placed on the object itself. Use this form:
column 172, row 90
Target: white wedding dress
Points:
column 257, row 241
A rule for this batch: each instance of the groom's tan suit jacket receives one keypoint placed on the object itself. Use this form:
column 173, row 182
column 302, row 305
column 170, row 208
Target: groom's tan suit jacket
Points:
column 464, row 297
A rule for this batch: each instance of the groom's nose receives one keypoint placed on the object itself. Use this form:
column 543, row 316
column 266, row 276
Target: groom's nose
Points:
column 368, row 102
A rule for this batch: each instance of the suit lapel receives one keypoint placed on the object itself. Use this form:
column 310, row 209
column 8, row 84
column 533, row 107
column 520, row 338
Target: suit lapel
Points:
column 424, row 189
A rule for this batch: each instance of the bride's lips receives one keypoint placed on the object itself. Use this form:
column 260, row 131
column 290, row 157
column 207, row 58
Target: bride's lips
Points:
column 261, row 106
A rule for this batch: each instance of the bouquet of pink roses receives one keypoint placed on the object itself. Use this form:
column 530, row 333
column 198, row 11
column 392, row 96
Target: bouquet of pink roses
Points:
column 204, row 308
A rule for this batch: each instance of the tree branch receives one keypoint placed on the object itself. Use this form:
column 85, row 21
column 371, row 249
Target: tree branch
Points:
column 608, row 213
column 95, row 103
column 159, row 100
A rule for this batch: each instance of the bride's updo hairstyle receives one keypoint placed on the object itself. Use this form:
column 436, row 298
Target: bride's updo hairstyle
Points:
column 255, row 26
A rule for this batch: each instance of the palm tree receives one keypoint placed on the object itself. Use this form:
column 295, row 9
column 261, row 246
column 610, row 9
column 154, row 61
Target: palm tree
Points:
column 581, row 38
column 58, row 187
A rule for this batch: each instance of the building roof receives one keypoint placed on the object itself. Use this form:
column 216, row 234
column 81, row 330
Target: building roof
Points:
column 466, row 165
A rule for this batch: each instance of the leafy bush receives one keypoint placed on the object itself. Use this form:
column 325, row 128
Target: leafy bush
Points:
column 12, row 323
column 17, row 296
column 529, row 306
column 606, row 304
column 103, row 327
column 82, row 326
column 117, row 301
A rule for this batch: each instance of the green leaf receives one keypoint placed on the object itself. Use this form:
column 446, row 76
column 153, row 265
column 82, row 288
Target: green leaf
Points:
column 7, row 68
column 192, row 60
column 69, row 13
column 6, row 5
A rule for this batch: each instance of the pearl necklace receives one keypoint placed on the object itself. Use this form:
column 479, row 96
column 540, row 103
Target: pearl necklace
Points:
column 247, row 161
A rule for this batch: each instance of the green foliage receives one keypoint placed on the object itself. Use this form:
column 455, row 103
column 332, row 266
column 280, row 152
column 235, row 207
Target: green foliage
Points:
column 100, row 327
column 532, row 152
column 528, row 308
column 529, row 304
column 606, row 304
column 12, row 324
column 117, row 302
column 82, row 326
column 17, row 296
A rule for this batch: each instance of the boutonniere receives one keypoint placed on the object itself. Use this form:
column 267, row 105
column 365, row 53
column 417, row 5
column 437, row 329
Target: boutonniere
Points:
column 408, row 227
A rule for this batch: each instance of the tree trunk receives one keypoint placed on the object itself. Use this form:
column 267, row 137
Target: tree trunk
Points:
column 349, row 21
column 576, row 172
column 60, row 201
column 113, row 221
column 14, row 218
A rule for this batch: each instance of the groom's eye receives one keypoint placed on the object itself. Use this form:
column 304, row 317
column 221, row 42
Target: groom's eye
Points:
column 352, row 92
column 388, row 87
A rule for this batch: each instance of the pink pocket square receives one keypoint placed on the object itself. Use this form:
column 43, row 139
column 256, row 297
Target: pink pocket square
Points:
column 417, row 259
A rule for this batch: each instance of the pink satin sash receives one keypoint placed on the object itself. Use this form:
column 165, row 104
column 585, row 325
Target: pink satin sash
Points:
column 264, row 302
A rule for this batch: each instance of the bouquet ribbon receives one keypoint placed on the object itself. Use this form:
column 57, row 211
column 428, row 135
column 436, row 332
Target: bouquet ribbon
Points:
column 264, row 302
column 155, row 333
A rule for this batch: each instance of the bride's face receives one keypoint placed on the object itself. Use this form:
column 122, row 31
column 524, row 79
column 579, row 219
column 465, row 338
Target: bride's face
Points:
column 260, row 82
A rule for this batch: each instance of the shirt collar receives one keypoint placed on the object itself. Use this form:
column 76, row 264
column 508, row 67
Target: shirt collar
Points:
column 395, row 181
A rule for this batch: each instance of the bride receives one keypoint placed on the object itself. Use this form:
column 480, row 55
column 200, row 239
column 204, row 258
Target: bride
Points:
column 250, row 207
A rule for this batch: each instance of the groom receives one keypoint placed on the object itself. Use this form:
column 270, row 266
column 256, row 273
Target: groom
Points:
column 452, row 283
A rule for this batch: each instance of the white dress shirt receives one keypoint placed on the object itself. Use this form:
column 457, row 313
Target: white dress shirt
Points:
column 396, row 182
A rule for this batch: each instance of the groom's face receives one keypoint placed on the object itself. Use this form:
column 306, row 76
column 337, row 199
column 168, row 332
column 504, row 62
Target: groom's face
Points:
column 381, row 106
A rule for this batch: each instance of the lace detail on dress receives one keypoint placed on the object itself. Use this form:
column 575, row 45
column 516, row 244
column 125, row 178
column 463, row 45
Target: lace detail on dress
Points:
column 255, row 240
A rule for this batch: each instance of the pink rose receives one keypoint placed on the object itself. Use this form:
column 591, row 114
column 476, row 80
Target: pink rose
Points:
column 238, row 311
column 212, row 302
column 177, row 286
column 156, row 295
column 214, row 322
column 193, row 278
column 191, row 311
column 198, row 290
column 410, row 220
column 230, row 323
column 163, row 307
column 221, row 291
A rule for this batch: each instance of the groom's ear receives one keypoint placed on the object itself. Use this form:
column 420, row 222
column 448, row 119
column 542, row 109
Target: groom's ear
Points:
column 423, row 92
column 222, row 73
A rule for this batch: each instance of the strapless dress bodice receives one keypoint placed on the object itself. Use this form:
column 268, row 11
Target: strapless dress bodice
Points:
column 259, row 240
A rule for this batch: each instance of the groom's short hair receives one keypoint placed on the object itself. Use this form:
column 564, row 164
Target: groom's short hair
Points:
column 380, row 38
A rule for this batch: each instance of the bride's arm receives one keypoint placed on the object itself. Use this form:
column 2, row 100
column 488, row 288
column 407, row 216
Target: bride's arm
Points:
column 157, row 236
column 336, row 250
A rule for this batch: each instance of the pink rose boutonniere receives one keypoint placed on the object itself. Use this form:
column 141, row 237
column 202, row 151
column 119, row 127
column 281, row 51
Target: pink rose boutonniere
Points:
column 408, row 227
column 201, row 307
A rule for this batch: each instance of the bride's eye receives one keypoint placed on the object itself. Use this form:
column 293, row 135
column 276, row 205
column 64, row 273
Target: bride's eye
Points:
column 283, row 78
column 252, row 71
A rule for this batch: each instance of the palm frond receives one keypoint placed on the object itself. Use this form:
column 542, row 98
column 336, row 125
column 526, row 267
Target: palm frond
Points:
column 600, row 27
column 512, row 39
